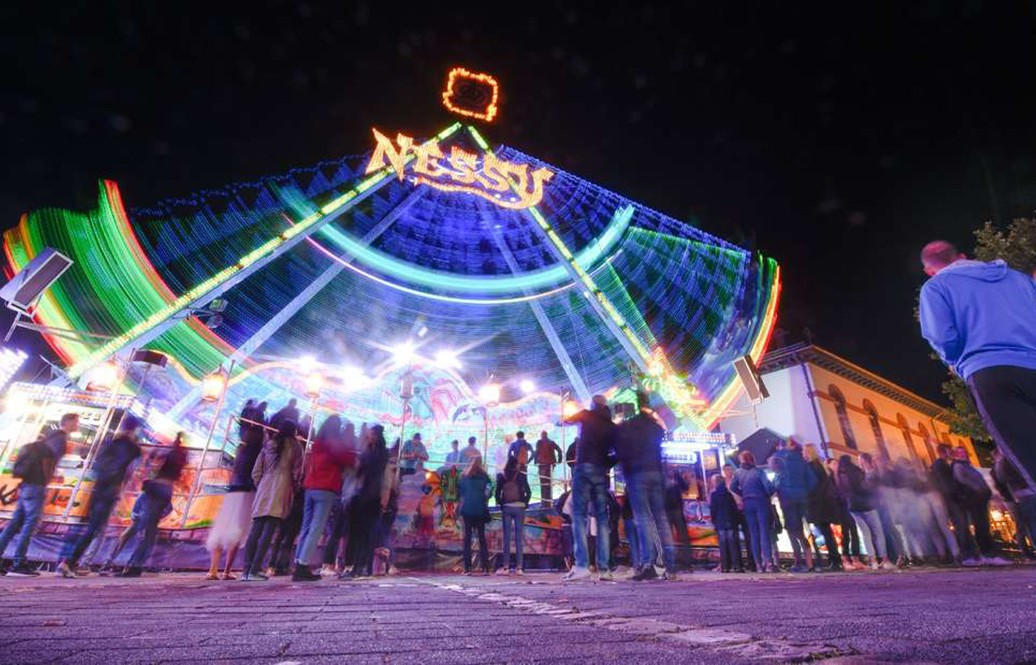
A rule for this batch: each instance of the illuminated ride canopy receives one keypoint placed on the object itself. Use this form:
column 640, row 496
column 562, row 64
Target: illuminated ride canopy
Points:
column 528, row 272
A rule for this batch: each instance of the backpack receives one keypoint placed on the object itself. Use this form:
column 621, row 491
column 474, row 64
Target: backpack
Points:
column 511, row 492
column 28, row 459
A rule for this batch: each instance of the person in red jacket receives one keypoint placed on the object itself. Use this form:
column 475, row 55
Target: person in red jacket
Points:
column 322, row 481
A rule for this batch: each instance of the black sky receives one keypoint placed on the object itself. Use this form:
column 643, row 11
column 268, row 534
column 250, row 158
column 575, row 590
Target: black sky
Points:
column 837, row 140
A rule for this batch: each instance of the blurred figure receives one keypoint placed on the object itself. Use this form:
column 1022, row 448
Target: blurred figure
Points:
column 936, row 517
column 454, row 458
column 822, row 505
column 850, row 535
column 471, row 451
column 277, row 475
column 981, row 320
column 590, row 484
column 521, row 450
column 755, row 489
column 974, row 496
column 35, row 467
column 231, row 525
column 475, row 488
column 413, row 456
column 548, row 453
column 322, row 481
column 290, row 413
column 513, row 495
column 1023, row 513
column 859, row 485
column 911, row 511
column 675, row 489
column 794, row 482
column 942, row 479
column 159, row 493
column 724, row 519
column 335, row 555
column 638, row 448
column 366, row 507
column 745, row 561
column 889, row 511
column 109, row 470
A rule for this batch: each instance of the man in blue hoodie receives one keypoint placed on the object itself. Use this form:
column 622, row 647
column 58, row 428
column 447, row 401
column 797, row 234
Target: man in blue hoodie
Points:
column 981, row 320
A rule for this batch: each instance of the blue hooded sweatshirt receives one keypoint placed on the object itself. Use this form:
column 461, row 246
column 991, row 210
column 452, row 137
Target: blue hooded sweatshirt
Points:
column 978, row 315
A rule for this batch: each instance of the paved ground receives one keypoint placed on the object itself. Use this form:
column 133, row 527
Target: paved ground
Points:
column 970, row 616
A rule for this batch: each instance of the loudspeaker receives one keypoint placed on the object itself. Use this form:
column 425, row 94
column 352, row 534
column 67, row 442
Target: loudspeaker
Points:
column 34, row 279
column 751, row 379
column 150, row 357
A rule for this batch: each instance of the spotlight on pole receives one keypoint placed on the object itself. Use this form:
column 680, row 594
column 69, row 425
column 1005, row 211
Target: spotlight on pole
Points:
column 353, row 378
column 403, row 354
column 314, row 384
column 307, row 364
column 569, row 408
column 527, row 386
column 489, row 394
column 213, row 385
column 103, row 377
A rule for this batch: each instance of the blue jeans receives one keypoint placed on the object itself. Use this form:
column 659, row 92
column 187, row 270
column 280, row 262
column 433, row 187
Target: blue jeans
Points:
column 794, row 512
column 629, row 524
column 647, row 499
column 26, row 516
column 590, row 492
column 315, row 511
column 873, row 535
column 158, row 498
column 757, row 514
column 102, row 503
column 514, row 526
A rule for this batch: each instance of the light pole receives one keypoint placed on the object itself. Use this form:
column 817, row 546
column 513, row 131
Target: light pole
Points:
column 489, row 395
column 213, row 389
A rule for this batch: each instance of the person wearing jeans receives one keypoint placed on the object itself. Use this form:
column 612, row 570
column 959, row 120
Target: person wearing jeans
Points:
column 277, row 474
column 755, row 490
column 590, row 485
column 474, row 490
column 322, row 482
column 795, row 480
column 513, row 495
column 859, row 486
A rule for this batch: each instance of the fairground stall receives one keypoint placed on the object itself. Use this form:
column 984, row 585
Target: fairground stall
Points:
column 444, row 285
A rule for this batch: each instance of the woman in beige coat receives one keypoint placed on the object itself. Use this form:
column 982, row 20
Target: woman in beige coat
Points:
column 277, row 475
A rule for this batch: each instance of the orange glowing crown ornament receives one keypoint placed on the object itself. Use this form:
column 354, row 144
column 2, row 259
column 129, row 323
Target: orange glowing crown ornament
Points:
column 471, row 95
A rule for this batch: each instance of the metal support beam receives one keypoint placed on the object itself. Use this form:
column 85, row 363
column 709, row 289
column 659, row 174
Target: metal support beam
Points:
column 260, row 336
column 578, row 385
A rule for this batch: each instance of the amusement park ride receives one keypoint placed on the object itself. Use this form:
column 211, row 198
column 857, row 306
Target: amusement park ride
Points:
column 412, row 279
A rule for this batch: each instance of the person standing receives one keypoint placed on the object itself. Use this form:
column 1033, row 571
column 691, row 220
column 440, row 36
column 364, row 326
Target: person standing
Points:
column 1023, row 513
column 638, row 447
column 513, row 495
column 795, row 480
column 366, row 507
column 850, row 535
column 414, row 455
column 974, row 495
column 277, row 475
column 35, row 467
column 109, row 470
column 454, row 458
column 230, row 528
column 159, row 493
column 322, row 482
column 755, row 490
column 289, row 413
column 941, row 476
column 859, row 486
column 723, row 511
column 746, row 561
column 590, row 484
column 980, row 318
column 475, row 488
column 548, row 453
column 470, row 451
column 822, row 505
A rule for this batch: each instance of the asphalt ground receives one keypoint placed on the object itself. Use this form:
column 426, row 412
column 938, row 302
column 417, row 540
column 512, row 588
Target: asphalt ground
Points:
column 924, row 616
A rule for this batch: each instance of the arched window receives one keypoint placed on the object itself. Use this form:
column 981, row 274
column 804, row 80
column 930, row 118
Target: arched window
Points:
column 904, row 427
column 927, row 441
column 843, row 417
column 879, row 437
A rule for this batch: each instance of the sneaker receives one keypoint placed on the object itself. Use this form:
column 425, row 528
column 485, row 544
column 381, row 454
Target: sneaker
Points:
column 502, row 572
column 887, row 565
column 328, row 571
column 254, row 577
column 64, row 570
column 996, row 561
column 130, row 572
column 671, row 576
column 606, row 576
column 519, row 572
column 798, row 568
column 304, row 574
column 644, row 574
column 23, row 571
column 576, row 574
column 971, row 561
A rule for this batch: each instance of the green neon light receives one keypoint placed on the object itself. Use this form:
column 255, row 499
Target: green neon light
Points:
column 390, row 266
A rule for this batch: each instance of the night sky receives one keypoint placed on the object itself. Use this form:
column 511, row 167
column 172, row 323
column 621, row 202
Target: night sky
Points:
column 836, row 140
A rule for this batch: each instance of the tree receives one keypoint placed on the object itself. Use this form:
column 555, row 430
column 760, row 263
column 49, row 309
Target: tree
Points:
column 1016, row 246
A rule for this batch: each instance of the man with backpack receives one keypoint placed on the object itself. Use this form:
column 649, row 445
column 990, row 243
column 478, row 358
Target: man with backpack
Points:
column 974, row 495
column 109, row 471
column 35, row 466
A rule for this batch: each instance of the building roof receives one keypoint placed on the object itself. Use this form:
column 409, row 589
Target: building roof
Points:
column 796, row 354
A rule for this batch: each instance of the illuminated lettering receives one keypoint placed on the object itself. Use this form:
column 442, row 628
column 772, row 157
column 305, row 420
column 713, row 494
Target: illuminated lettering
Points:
column 507, row 184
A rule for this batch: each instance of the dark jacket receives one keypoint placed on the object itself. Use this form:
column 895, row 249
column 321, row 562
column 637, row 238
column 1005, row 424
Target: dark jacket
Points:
column 723, row 509
column 172, row 465
column 942, row 479
column 46, row 453
column 523, row 488
column 596, row 436
column 638, row 445
column 857, row 488
column 795, row 479
column 110, row 467
column 474, row 495
column 244, row 462
column 750, row 482
column 822, row 506
column 1007, row 479
column 372, row 473
column 547, row 452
